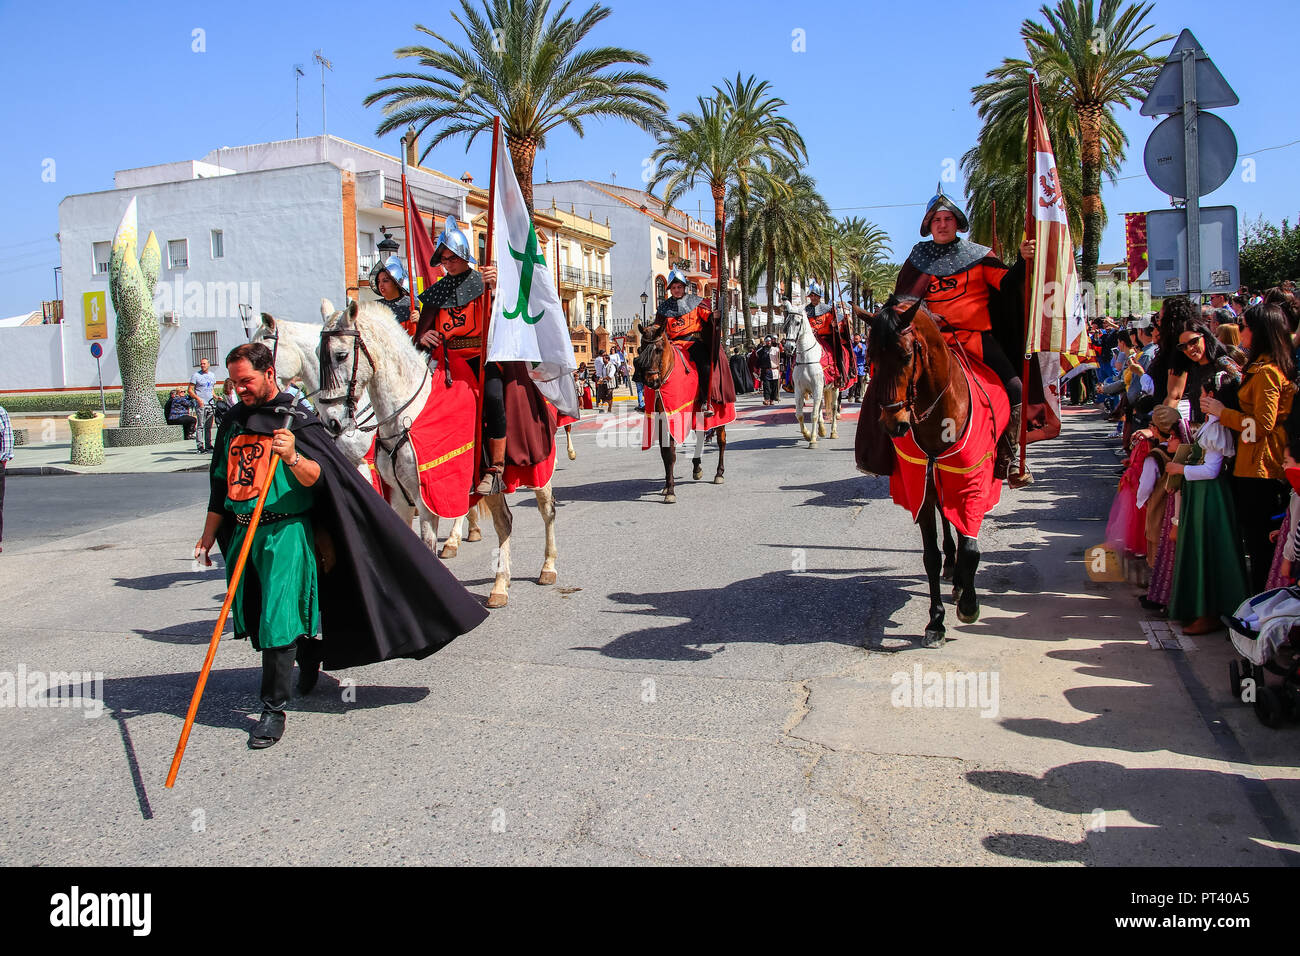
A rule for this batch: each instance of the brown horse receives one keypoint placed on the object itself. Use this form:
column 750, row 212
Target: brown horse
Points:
column 655, row 363
column 920, row 386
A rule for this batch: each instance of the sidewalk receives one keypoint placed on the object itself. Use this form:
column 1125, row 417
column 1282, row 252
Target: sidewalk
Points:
column 51, row 458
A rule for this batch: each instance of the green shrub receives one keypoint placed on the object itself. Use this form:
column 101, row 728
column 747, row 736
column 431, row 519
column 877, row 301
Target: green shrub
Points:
column 36, row 403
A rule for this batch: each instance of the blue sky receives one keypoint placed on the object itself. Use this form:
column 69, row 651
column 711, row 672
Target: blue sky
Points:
column 881, row 95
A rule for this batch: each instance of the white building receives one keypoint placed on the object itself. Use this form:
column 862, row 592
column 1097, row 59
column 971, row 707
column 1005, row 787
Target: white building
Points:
column 272, row 227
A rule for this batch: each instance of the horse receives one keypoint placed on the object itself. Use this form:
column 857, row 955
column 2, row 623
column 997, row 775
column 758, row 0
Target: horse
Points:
column 930, row 395
column 809, row 379
column 655, row 362
column 363, row 349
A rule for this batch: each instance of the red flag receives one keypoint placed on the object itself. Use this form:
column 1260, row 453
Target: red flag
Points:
column 1135, row 244
column 421, row 245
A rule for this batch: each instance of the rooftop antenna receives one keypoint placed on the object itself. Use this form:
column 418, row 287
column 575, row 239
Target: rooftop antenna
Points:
column 297, row 73
column 324, row 65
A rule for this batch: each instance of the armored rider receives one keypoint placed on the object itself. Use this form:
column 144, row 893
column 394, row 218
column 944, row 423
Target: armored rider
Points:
column 688, row 319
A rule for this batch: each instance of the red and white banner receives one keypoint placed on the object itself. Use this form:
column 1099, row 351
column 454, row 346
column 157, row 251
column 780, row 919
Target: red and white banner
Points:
column 1057, row 322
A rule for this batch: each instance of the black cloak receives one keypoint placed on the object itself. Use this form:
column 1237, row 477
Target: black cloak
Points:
column 387, row 596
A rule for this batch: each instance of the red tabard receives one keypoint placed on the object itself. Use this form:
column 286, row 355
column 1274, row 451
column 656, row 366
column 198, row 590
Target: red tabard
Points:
column 679, row 404
column 963, row 476
column 963, row 301
column 692, row 323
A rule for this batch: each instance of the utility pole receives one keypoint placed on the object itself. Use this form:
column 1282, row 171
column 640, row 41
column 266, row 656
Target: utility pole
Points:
column 297, row 75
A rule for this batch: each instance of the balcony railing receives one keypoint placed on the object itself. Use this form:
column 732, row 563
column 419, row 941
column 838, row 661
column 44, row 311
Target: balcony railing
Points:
column 365, row 264
column 570, row 276
column 683, row 264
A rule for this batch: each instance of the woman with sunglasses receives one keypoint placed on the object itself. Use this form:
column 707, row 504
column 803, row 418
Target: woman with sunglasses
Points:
column 1209, row 566
column 1265, row 401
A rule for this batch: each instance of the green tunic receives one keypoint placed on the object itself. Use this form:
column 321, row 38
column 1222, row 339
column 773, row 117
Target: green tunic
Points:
column 276, row 601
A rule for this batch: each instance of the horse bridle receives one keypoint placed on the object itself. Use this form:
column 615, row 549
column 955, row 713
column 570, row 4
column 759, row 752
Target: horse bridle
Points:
column 666, row 344
column 909, row 401
column 350, row 401
column 794, row 342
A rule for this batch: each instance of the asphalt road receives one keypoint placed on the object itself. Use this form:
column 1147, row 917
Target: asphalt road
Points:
column 718, row 681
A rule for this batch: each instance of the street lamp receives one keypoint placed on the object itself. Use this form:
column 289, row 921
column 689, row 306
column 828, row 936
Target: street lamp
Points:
column 644, row 299
column 387, row 246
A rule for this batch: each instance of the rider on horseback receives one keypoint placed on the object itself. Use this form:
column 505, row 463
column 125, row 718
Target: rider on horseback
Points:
column 388, row 280
column 688, row 319
column 833, row 336
column 981, row 300
column 454, row 316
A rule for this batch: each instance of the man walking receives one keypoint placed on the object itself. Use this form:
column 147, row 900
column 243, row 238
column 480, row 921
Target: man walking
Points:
column 378, row 595
column 860, row 358
column 202, row 383
column 6, row 455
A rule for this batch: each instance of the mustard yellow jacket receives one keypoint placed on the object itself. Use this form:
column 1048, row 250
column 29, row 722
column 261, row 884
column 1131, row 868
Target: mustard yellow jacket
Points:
column 1265, row 398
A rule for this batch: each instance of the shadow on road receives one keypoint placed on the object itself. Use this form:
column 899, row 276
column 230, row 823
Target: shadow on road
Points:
column 758, row 610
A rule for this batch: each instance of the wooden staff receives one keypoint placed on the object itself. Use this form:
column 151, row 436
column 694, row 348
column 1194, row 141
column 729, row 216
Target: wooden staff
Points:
column 410, row 244
column 225, row 609
column 1031, row 140
column 487, row 321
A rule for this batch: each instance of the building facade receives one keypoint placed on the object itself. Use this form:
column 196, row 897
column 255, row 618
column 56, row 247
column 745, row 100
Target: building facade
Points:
column 272, row 227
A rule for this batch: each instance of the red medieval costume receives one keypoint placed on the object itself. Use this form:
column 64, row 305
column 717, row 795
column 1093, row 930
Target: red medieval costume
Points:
column 838, row 365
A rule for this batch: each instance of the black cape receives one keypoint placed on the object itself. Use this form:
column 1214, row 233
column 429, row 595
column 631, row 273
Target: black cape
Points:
column 387, row 596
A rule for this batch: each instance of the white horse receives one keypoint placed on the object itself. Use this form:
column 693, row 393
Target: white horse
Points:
column 367, row 351
column 810, row 380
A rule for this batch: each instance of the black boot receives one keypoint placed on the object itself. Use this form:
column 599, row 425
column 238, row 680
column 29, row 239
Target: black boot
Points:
column 1008, row 446
column 277, row 671
column 490, row 483
column 308, row 665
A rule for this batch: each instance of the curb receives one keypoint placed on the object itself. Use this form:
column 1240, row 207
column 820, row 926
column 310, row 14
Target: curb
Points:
column 33, row 471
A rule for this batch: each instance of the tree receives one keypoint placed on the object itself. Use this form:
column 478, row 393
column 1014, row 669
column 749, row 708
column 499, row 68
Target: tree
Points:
column 1092, row 60
column 786, row 219
column 522, row 64
column 1269, row 255
column 734, row 131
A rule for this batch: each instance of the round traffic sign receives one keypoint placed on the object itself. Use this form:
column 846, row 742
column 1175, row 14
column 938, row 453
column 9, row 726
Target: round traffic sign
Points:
column 1165, row 154
column 96, row 350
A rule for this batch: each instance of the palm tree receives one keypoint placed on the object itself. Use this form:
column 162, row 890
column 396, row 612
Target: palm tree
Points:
column 1090, row 58
column 523, row 63
column 786, row 217
column 860, row 247
column 734, row 131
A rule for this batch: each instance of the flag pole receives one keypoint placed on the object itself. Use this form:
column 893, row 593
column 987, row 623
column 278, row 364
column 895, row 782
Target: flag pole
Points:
column 487, row 320
column 406, row 227
column 1031, row 141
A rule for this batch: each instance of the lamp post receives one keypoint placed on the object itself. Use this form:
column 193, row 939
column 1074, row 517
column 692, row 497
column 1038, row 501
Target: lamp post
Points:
column 644, row 298
column 387, row 246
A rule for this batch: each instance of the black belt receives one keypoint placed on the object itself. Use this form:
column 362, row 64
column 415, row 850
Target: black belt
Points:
column 268, row 517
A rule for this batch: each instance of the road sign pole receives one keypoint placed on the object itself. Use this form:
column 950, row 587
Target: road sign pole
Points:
column 1192, row 166
column 100, row 371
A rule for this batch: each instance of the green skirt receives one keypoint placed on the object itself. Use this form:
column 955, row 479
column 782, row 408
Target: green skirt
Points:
column 1209, row 568
column 276, row 602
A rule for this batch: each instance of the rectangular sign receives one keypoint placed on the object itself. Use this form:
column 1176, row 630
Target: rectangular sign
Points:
column 1167, row 251
column 95, row 314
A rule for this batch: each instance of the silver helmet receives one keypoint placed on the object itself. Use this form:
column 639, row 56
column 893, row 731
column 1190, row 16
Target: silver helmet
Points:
column 676, row 275
column 393, row 266
column 453, row 240
column 940, row 201
column 814, row 288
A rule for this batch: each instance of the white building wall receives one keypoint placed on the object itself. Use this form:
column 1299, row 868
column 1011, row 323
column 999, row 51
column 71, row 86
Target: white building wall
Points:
column 31, row 356
column 283, row 243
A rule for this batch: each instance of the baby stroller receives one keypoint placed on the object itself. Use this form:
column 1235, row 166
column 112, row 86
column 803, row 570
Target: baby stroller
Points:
column 1266, row 633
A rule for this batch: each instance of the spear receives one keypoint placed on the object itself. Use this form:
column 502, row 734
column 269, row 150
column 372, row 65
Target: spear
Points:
column 289, row 414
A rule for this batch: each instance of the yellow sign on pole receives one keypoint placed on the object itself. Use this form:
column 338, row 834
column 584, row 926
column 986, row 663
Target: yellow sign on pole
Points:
column 96, row 315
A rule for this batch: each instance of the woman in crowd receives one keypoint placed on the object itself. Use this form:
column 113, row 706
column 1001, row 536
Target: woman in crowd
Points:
column 1264, row 399
column 228, row 399
column 583, row 379
column 1200, row 357
column 1209, row 567
column 1229, row 334
column 1175, row 315
column 180, row 411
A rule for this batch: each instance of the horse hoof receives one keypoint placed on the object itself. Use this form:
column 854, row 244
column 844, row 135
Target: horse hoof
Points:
column 821, row 431
column 835, row 433
column 719, row 480
column 697, row 473
column 496, row 600
column 932, row 638
column 474, row 535
column 573, row 456
column 448, row 551
column 670, row 499
column 546, row 577
column 968, row 614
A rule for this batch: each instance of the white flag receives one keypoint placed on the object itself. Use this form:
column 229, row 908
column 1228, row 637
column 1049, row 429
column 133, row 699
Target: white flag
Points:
column 528, row 323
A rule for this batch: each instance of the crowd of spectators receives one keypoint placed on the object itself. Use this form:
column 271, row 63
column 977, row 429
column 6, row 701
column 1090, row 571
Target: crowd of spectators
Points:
column 1202, row 400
